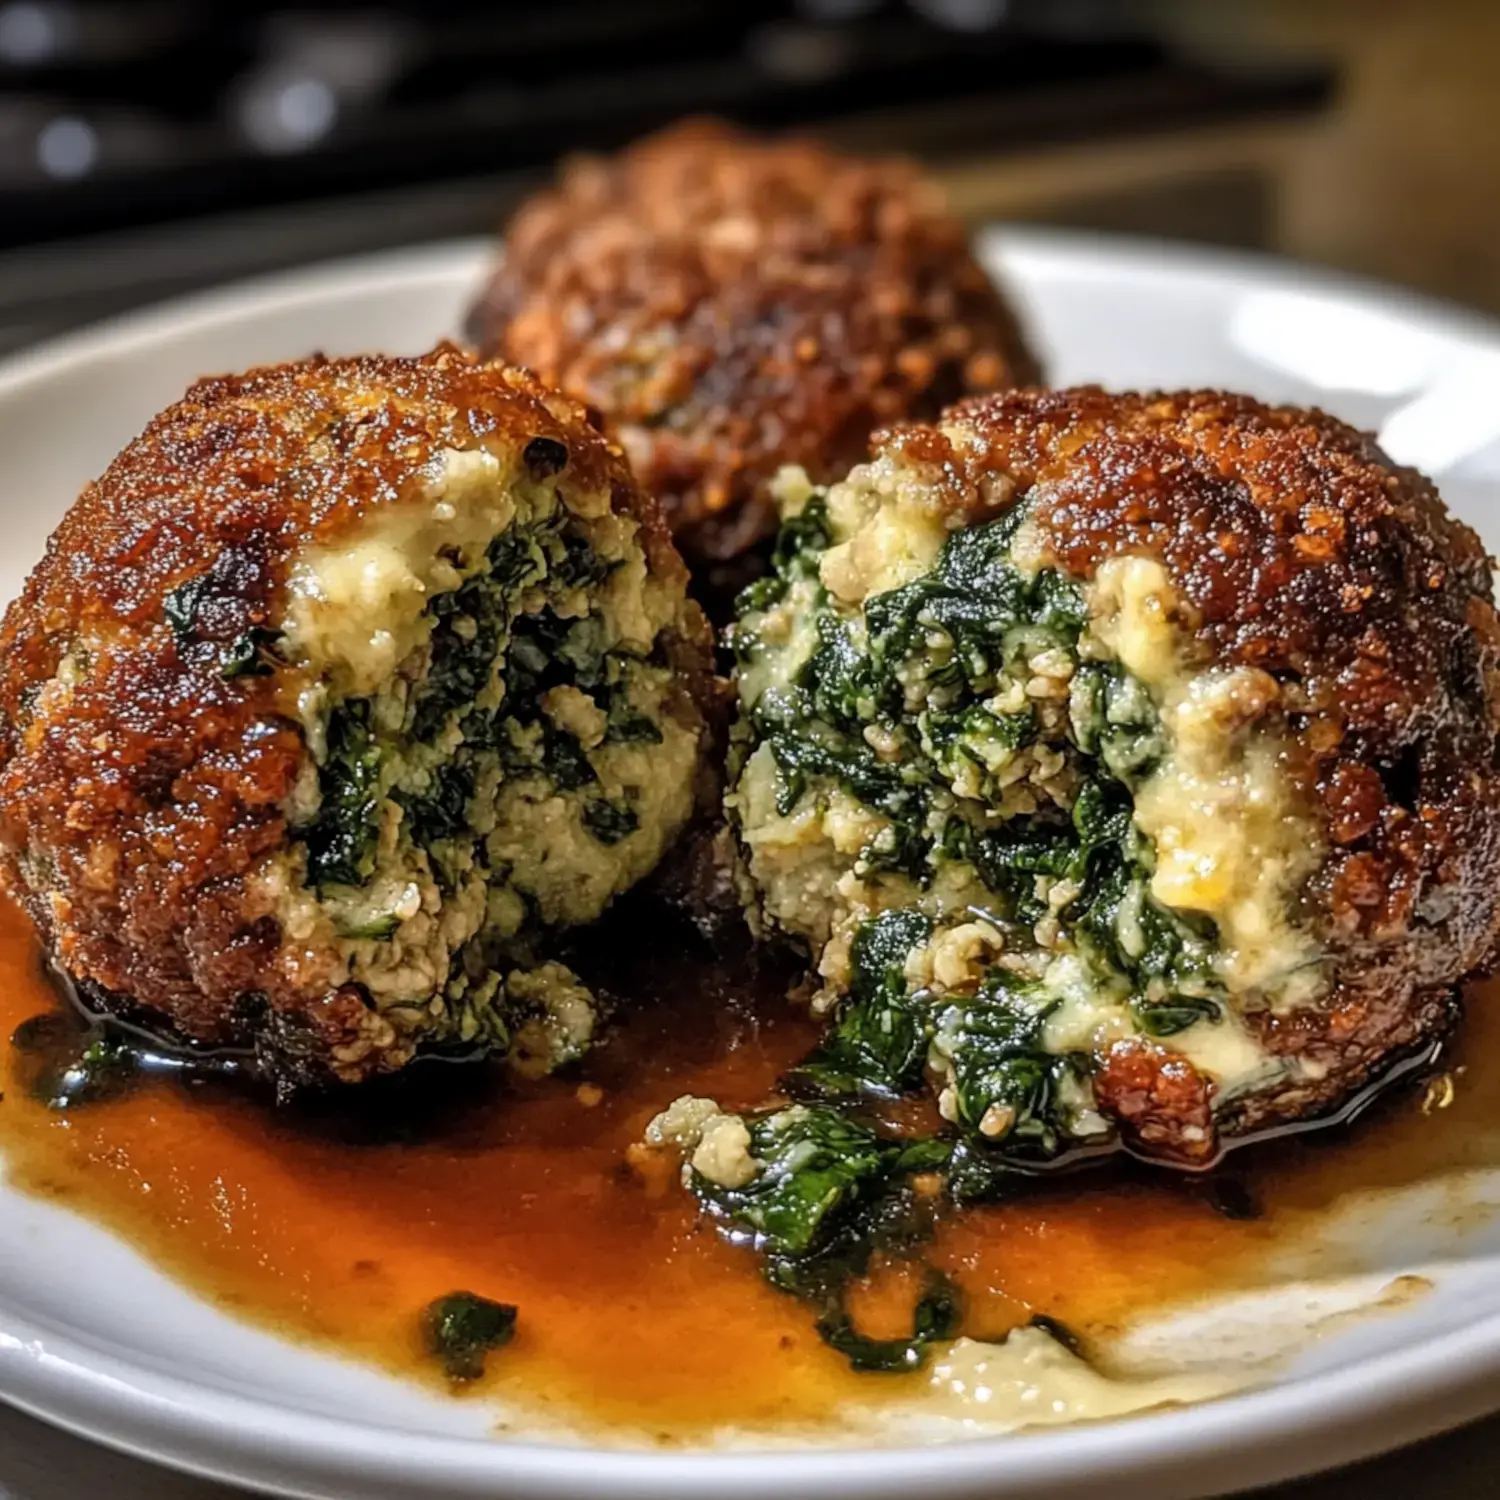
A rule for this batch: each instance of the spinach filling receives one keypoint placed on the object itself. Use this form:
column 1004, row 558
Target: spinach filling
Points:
column 478, row 712
column 341, row 839
column 941, row 674
column 461, row 1329
column 830, row 1196
column 973, row 711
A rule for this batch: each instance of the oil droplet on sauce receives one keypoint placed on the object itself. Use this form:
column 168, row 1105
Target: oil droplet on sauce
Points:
column 334, row 1224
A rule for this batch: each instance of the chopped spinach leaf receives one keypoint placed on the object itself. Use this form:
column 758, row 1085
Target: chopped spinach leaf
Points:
column 1166, row 956
column 252, row 655
column 609, row 822
column 341, row 838
column 880, row 949
column 800, row 541
column 1101, row 815
column 856, row 768
column 836, row 683
column 979, row 601
column 628, row 728
column 1171, row 1016
column 564, row 760
column 580, row 566
column 984, row 738
column 461, row 1329
column 64, row 1063
column 938, row 1315
column 878, row 1041
column 831, row 1193
column 377, row 928
column 181, row 606
column 548, row 651
column 1005, row 1082
column 441, row 811
column 818, row 1163
column 465, row 640
column 1111, row 716
column 515, row 559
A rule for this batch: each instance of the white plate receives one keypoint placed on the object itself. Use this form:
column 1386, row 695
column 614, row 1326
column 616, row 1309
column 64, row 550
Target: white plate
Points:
column 94, row 1339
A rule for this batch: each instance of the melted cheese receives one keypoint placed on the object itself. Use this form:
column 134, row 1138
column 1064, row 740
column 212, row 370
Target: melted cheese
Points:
column 357, row 609
column 888, row 528
column 1132, row 605
column 1091, row 1014
column 1031, row 1380
column 1231, row 837
column 1230, row 844
column 788, row 633
column 1225, row 1051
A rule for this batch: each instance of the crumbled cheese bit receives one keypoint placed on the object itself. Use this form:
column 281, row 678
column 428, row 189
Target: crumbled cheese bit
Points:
column 572, row 709
column 716, row 1145
column 960, row 955
column 562, row 1026
column 723, row 1155
column 791, row 489
column 681, row 1123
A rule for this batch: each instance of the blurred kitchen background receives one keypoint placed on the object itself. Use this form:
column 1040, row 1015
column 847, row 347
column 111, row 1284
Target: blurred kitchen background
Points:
column 151, row 146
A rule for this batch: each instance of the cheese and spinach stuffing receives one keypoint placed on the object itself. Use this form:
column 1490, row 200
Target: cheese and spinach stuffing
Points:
column 495, row 753
column 1013, row 827
column 1009, row 820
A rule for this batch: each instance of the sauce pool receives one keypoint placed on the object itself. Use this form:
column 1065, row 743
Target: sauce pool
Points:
column 335, row 1220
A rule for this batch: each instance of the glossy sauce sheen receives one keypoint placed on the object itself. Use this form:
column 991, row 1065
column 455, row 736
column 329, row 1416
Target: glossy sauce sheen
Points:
column 335, row 1224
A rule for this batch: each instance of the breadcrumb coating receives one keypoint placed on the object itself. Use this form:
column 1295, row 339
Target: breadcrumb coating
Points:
column 142, row 781
column 732, row 304
column 1299, row 550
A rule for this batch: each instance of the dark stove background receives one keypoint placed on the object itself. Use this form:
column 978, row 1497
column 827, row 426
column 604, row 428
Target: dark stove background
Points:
column 147, row 146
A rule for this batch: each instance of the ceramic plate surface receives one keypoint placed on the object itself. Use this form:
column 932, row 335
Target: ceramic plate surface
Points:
column 94, row 1339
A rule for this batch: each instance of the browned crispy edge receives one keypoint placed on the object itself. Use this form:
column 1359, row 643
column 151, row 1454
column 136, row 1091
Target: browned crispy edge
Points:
column 731, row 304
column 1298, row 549
column 151, row 789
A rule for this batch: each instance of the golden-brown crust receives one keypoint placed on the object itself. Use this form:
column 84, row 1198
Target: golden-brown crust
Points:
column 1161, row 1102
column 733, row 304
column 142, row 794
column 1300, row 550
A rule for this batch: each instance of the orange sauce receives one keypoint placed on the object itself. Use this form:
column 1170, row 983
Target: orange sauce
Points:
column 335, row 1224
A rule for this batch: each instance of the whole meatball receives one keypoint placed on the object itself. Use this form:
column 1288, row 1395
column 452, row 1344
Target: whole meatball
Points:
column 732, row 304
column 1128, row 764
column 347, row 683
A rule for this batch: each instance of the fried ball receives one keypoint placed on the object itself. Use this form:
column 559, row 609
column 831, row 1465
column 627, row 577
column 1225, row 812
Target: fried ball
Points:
column 1128, row 765
column 731, row 304
column 345, row 685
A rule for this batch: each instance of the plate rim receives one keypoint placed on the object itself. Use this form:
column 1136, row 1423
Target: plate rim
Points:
column 1268, row 1434
column 1158, row 256
column 1012, row 245
column 169, row 318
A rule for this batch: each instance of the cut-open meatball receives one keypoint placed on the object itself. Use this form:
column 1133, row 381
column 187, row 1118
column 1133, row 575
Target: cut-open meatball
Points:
column 731, row 304
column 345, row 684
column 1128, row 766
